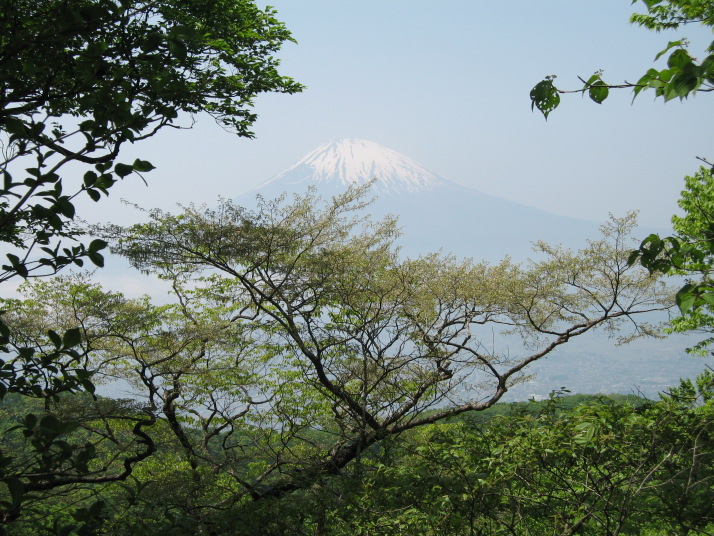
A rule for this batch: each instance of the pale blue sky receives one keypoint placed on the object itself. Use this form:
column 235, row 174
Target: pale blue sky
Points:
column 447, row 84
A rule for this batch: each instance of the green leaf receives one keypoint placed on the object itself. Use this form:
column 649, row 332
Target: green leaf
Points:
column 669, row 47
column 545, row 97
column 594, row 78
column 67, row 427
column 686, row 298
column 678, row 59
column 64, row 206
column 143, row 165
column 72, row 337
column 96, row 258
column 177, row 48
column 50, row 423
column 94, row 194
column 88, row 386
column 16, row 489
column 55, row 338
column 598, row 92
column 7, row 181
column 586, row 433
column 685, row 82
column 97, row 245
column 632, row 259
column 30, row 421
column 123, row 170
column 707, row 297
column 90, row 177
column 26, row 353
column 153, row 40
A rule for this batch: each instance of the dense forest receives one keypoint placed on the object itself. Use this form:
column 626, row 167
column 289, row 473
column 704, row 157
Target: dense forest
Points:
column 568, row 465
column 306, row 378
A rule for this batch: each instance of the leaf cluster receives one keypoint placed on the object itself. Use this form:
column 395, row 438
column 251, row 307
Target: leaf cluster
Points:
column 690, row 252
column 683, row 76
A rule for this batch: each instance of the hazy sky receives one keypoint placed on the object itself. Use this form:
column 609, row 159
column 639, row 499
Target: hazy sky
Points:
column 447, row 84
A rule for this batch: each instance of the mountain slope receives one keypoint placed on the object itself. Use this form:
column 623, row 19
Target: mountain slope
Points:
column 435, row 213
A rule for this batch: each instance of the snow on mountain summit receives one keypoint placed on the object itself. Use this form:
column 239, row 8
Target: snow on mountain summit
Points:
column 348, row 161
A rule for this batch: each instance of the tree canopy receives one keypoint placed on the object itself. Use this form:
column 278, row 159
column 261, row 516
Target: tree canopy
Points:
column 367, row 345
column 79, row 79
column 301, row 349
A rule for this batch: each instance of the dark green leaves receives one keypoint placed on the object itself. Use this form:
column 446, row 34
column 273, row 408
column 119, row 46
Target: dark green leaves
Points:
column 596, row 88
column 72, row 337
column 142, row 165
column 123, row 170
column 545, row 97
column 55, row 338
column 598, row 92
column 114, row 72
column 683, row 75
column 678, row 59
column 93, row 252
column 658, row 254
column 690, row 252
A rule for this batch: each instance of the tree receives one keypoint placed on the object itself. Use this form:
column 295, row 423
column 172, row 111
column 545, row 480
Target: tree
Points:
column 83, row 77
column 338, row 344
column 78, row 80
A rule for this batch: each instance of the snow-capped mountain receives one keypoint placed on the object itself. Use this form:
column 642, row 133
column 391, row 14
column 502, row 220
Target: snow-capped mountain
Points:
column 435, row 213
column 348, row 161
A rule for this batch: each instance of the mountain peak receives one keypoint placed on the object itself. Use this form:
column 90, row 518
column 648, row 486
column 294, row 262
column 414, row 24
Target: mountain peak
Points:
column 348, row 161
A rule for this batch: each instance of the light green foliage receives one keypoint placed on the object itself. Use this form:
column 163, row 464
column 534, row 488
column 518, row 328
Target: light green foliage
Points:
column 684, row 74
column 347, row 344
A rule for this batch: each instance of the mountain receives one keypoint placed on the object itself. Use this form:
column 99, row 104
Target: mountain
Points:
column 342, row 162
column 435, row 213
